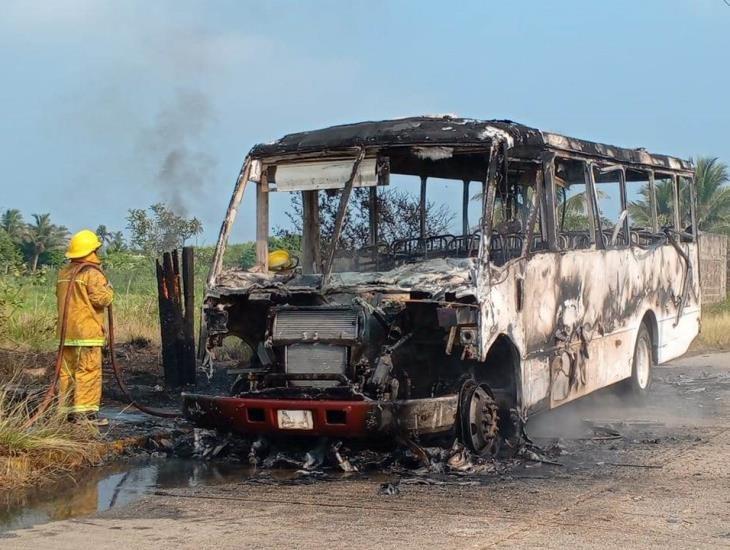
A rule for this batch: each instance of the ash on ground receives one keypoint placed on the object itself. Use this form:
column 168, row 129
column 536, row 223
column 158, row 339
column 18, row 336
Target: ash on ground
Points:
column 325, row 457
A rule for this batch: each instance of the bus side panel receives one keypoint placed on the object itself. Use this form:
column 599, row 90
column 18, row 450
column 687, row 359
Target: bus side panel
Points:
column 676, row 335
column 579, row 316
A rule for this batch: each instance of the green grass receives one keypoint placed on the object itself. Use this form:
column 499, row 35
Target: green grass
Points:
column 28, row 314
column 32, row 324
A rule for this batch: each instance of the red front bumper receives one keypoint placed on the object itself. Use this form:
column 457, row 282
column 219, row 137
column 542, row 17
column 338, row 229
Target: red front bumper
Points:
column 335, row 418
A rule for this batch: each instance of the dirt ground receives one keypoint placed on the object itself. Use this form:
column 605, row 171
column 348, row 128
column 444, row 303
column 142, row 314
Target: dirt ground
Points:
column 665, row 482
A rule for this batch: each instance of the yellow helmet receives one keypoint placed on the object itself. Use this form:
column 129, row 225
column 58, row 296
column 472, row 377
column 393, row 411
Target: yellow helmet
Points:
column 82, row 244
column 279, row 260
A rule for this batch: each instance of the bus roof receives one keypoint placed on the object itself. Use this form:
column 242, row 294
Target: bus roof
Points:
column 449, row 131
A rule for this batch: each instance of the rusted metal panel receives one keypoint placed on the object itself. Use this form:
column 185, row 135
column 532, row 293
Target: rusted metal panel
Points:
column 334, row 418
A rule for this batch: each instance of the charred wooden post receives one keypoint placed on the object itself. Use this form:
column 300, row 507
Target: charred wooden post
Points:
column 188, row 277
column 176, row 326
column 166, row 301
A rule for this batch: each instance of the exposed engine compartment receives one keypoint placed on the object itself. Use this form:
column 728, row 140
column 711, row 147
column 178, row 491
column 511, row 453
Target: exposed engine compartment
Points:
column 381, row 345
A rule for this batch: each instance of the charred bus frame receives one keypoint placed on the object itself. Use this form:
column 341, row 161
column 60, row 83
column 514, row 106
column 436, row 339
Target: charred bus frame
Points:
column 451, row 334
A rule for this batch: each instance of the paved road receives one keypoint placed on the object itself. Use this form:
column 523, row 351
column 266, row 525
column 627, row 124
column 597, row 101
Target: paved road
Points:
column 664, row 484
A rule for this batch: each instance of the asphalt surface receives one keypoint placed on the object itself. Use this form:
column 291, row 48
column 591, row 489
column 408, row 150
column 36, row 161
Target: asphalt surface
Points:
column 663, row 482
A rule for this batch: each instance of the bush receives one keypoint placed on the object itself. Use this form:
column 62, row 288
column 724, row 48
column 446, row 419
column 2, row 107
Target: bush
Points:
column 10, row 257
column 10, row 298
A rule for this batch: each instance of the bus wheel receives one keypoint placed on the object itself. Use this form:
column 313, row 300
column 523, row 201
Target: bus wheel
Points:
column 640, row 381
column 478, row 416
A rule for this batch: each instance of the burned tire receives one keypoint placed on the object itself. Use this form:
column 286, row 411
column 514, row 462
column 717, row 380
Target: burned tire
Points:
column 478, row 419
column 641, row 367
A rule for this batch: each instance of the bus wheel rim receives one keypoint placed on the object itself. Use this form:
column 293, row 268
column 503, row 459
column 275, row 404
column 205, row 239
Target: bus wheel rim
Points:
column 480, row 425
column 643, row 363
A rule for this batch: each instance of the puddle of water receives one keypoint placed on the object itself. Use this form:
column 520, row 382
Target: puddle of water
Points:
column 127, row 415
column 106, row 487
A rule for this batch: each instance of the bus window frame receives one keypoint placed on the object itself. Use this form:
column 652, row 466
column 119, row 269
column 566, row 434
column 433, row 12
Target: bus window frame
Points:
column 676, row 216
column 652, row 202
column 607, row 169
column 651, row 197
column 593, row 215
column 692, row 206
column 552, row 204
column 664, row 176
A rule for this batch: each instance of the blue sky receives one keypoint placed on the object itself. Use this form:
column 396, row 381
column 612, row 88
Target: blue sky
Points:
column 98, row 97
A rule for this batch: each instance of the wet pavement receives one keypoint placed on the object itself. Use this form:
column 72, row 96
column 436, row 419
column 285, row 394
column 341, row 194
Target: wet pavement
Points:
column 117, row 484
column 605, row 474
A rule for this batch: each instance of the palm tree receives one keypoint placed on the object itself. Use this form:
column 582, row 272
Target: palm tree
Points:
column 44, row 236
column 105, row 236
column 640, row 210
column 12, row 222
column 713, row 195
column 116, row 242
column 573, row 211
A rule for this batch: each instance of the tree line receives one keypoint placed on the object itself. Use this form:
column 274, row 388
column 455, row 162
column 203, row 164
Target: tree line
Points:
column 40, row 242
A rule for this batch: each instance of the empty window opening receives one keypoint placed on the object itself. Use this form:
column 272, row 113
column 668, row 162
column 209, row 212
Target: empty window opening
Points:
column 573, row 219
column 685, row 206
column 612, row 211
column 664, row 192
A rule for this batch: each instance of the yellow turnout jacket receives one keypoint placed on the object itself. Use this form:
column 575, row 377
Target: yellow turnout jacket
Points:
column 90, row 294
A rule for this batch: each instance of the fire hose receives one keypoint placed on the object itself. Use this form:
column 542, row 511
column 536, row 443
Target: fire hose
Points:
column 51, row 391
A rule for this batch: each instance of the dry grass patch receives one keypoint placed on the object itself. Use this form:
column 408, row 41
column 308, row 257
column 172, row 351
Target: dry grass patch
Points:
column 716, row 329
column 48, row 448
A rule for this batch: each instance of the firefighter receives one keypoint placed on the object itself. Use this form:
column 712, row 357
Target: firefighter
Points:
column 91, row 293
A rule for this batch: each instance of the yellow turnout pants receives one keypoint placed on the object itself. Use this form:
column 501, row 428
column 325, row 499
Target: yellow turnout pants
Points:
column 80, row 379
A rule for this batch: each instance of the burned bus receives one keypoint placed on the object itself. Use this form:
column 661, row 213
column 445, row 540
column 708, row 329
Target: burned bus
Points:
column 570, row 277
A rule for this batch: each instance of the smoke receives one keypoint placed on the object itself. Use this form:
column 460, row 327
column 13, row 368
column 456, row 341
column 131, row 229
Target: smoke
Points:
column 175, row 149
